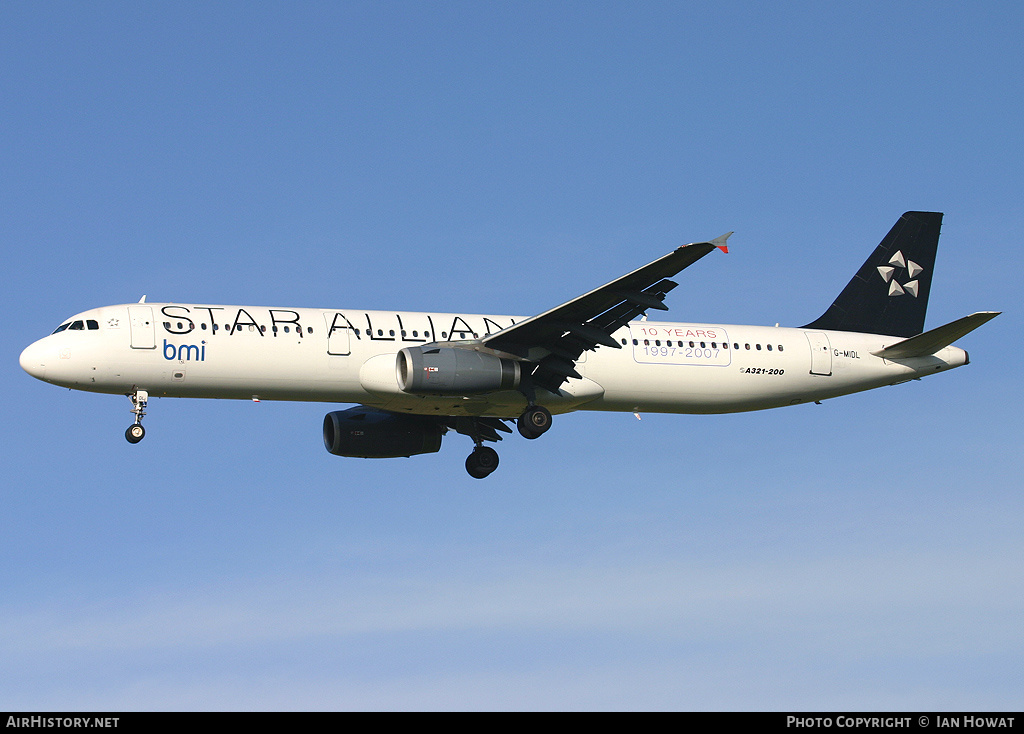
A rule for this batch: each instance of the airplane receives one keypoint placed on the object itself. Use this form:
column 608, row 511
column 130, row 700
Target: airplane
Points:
column 415, row 376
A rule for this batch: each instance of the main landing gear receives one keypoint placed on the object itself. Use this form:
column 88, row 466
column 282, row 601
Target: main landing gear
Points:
column 482, row 462
column 136, row 432
column 484, row 459
column 534, row 422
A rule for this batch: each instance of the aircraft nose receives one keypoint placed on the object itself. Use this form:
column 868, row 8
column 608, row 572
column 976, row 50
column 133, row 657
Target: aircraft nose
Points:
column 33, row 360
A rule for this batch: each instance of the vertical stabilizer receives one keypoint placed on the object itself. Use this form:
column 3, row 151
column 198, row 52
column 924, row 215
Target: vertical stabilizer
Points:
column 889, row 294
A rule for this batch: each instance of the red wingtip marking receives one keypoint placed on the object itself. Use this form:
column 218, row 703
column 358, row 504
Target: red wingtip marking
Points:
column 724, row 248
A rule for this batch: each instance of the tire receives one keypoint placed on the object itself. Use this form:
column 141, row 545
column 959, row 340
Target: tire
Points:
column 135, row 433
column 534, row 422
column 482, row 462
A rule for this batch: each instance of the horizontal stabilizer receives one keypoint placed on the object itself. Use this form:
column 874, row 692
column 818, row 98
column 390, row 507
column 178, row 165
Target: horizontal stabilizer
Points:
column 932, row 341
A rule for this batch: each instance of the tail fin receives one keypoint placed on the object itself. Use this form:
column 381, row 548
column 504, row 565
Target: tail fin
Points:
column 889, row 294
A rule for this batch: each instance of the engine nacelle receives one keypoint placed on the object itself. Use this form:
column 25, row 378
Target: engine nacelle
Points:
column 454, row 371
column 374, row 434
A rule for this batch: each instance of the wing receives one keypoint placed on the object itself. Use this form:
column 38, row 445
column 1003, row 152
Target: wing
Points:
column 555, row 339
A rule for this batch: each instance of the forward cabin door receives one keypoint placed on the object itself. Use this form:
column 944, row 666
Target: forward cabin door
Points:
column 339, row 329
column 821, row 353
column 142, row 326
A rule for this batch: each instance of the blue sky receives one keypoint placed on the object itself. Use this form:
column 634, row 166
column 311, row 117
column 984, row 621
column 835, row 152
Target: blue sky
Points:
column 503, row 158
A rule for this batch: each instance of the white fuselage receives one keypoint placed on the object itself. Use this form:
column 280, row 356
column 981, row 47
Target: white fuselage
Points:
column 246, row 352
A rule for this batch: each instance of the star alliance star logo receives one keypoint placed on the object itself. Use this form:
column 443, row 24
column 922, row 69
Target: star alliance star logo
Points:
column 113, row 323
column 890, row 274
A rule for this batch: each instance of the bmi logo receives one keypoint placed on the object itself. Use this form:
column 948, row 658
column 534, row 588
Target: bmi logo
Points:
column 891, row 274
column 185, row 352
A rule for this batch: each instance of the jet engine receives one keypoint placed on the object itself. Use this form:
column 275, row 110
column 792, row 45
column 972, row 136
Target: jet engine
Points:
column 454, row 371
column 375, row 434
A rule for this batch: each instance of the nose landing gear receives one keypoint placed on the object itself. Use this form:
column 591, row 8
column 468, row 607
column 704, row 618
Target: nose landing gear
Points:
column 136, row 432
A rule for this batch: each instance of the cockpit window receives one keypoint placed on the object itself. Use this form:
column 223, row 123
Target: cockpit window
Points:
column 79, row 325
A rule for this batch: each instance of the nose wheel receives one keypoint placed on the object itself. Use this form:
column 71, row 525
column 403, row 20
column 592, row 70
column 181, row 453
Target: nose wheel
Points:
column 136, row 432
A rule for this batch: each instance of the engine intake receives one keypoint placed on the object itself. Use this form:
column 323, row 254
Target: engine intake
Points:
column 375, row 434
column 454, row 371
